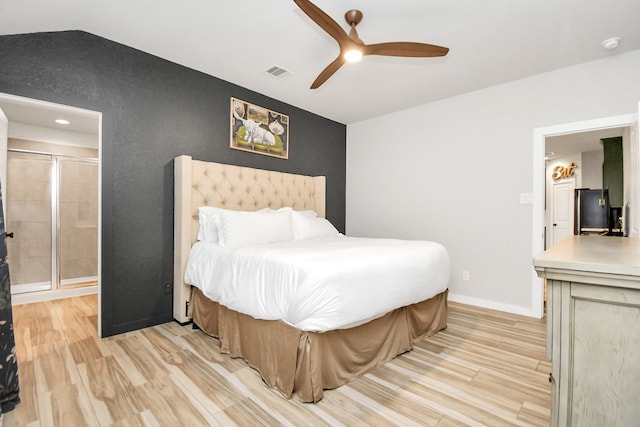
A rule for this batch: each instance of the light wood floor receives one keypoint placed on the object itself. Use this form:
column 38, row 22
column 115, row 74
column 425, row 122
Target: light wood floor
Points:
column 487, row 368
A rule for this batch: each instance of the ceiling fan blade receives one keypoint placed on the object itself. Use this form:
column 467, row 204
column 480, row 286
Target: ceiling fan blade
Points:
column 328, row 71
column 324, row 21
column 411, row 49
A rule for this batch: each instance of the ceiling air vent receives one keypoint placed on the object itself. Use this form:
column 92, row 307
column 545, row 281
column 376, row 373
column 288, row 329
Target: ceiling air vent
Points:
column 278, row 71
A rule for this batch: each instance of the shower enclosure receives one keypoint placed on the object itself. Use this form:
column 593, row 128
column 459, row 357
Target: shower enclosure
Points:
column 52, row 217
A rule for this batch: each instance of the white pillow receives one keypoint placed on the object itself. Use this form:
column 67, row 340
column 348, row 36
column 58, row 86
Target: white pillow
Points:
column 306, row 227
column 271, row 210
column 308, row 213
column 208, row 230
column 236, row 228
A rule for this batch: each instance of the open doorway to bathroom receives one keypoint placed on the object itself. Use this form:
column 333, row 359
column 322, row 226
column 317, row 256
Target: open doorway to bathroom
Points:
column 52, row 213
column 50, row 158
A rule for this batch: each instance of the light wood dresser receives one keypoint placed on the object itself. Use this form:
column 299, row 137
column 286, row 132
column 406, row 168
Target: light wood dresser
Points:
column 593, row 330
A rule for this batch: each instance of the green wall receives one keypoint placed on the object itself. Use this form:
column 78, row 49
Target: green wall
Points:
column 612, row 170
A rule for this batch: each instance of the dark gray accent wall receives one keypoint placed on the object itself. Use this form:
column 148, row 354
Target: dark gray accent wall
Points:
column 154, row 110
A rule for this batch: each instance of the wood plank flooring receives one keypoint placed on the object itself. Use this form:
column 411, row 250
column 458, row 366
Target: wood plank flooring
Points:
column 487, row 368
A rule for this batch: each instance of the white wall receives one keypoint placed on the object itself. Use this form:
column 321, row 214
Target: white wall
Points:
column 4, row 132
column 53, row 136
column 453, row 171
column 627, row 177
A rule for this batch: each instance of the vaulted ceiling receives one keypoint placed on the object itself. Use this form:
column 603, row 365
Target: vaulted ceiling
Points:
column 490, row 41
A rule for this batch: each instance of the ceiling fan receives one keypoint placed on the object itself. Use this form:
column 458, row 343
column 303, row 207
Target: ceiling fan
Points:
column 353, row 48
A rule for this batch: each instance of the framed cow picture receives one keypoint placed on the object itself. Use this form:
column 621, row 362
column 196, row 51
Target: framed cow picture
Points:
column 258, row 130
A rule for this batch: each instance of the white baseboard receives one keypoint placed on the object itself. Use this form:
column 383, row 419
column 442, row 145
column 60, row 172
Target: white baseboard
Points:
column 29, row 297
column 492, row 305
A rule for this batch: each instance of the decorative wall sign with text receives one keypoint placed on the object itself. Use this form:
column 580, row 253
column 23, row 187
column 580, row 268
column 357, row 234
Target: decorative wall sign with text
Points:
column 561, row 172
column 258, row 130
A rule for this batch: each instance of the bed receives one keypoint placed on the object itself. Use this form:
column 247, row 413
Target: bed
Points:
column 296, row 356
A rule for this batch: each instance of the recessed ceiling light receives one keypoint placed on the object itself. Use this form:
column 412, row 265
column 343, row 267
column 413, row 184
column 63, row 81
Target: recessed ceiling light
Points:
column 611, row 43
column 62, row 121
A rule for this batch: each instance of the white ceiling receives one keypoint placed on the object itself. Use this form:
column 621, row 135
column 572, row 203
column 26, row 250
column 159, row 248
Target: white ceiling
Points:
column 45, row 114
column 490, row 41
column 581, row 142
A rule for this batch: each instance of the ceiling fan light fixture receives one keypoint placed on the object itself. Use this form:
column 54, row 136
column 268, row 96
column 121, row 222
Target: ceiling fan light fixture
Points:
column 353, row 55
column 352, row 48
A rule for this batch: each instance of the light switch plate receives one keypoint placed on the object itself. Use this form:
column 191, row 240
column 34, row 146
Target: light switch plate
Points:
column 526, row 198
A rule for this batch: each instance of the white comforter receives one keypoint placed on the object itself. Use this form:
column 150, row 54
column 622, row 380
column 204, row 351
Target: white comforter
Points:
column 320, row 284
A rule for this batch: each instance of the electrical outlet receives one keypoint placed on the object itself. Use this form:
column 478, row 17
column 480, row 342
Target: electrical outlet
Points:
column 168, row 288
column 465, row 275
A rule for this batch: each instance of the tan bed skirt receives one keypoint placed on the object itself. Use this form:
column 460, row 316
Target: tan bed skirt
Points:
column 303, row 363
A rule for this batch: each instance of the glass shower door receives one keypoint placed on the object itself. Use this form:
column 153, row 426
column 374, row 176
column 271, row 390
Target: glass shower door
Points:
column 29, row 213
column 77, row 222
column 52, row 211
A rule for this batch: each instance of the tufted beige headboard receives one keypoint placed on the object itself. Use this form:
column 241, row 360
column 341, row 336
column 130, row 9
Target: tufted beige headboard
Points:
column 198, row 183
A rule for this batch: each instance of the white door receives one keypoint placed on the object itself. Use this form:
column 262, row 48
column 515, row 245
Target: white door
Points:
column 562, row 213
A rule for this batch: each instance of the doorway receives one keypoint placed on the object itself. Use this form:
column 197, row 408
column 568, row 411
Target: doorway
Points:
column 578, row 158
column 629, row 121
column 65, row 142
column 52, row 218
